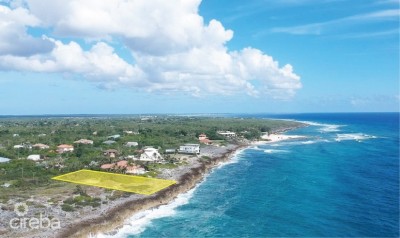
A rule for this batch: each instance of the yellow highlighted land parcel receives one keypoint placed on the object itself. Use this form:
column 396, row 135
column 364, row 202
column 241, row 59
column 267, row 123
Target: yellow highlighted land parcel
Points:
column 127, row 183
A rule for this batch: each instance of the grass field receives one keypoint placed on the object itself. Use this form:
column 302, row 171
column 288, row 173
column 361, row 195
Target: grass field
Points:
column 127, row 183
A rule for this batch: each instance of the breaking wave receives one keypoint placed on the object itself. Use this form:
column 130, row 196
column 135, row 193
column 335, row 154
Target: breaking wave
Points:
column 141, row 220
column 271, row 151
column 353, row 136
column 325, row 128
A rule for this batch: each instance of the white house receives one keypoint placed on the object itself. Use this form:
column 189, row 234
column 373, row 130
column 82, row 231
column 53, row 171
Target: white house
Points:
column 65, row 148
column 190, row 148
column 227, row 133
column 170, row 151
column 109, row 142
column 132, row 157
column 40, row 146
column 4, row 160
column 131, row 132
column 150, row 154
column 84, row 141
column 114, row 137
column 131, row 144
column 34, row 157
column 23, row 146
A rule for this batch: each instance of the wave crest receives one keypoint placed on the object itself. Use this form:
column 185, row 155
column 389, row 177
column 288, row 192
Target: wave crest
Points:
column 353, row 136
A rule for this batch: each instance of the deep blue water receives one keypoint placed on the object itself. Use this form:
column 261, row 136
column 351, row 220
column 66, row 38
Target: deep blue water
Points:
column 343, row 180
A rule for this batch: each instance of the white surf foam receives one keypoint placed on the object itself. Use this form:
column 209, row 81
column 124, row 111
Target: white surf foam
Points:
column 276, row 145
column 353, row 136
column 330, row 128
column 272, row 151
column 308, row 142
column 142, row 220
column 255, row 148
column 325, row 128
column 234, row 158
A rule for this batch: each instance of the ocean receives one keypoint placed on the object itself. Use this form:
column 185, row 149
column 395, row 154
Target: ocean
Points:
column 340, row 181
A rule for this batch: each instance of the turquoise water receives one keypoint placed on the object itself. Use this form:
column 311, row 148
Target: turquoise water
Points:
column 342, row 180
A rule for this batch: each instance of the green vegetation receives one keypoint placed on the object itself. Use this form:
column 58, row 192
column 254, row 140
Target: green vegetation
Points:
column 83, row 200
column 162, row 132
column 67, row 208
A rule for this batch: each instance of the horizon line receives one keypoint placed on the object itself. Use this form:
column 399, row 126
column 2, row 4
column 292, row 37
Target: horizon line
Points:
column 180, row 114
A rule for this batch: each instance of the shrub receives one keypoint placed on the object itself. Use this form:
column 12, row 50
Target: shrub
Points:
column 67, row 208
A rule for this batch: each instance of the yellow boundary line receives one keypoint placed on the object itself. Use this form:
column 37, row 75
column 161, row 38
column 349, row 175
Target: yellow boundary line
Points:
column 169, row 182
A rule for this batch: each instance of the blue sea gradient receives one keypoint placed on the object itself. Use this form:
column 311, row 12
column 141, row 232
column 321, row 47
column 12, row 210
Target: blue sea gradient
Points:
column 342, row 180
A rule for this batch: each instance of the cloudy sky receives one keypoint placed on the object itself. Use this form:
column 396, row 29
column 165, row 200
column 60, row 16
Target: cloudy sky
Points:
column 192, row 56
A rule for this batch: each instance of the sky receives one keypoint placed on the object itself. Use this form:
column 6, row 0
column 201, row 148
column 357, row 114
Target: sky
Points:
column 193, row 56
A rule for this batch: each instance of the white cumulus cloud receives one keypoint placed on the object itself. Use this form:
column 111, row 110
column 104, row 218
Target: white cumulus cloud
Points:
column 13, row 36
column 172, row 48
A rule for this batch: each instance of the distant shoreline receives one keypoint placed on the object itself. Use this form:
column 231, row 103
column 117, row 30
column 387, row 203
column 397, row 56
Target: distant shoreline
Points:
column 116, row 115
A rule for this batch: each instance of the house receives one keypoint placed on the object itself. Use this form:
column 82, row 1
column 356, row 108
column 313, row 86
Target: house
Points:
column 84, row 141
column 34, row 157
column 132, row 157
column 114, row 137
column 107, row 166
column 65, row 148
column 131, row 132
column 23, row 146
column 204, row 139
column 150, row 154
column 109, row 142
column 170, row 151
column 131, row 144
column 228, row 134
column 122, row 164
column 40, row 146
column 4, row 160
column 111, row 153
column 135, row 169
column 189, row 149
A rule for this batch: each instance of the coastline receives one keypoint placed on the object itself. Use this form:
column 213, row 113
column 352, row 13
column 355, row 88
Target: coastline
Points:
column 116, row 216
column 116, row 209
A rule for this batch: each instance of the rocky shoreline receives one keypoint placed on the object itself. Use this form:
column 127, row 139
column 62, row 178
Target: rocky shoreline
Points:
column 115, row 210
column 116, row 216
